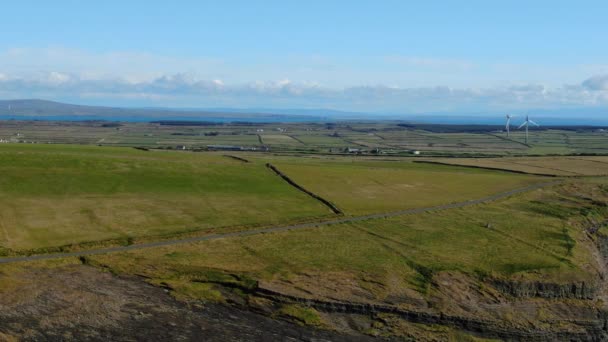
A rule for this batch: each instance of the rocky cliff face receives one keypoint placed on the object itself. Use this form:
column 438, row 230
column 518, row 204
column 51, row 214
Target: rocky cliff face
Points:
column 585, row 329
column 519, row 289
column 601, row 242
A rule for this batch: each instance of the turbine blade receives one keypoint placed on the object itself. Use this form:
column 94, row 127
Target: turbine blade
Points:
column 534, row 123
column 523, row 124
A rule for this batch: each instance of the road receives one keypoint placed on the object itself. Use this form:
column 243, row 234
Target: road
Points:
column 163, row 243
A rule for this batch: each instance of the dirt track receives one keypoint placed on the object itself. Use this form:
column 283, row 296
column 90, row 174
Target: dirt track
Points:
column 491, row 198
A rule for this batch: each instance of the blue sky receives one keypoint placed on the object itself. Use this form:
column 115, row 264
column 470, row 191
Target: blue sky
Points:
column 383, row 56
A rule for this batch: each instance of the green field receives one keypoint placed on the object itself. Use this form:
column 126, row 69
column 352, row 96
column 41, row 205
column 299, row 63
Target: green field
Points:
column 534, row 237
column 554, row 166
column 53, row 195
column 363, row 187
column 387, row 138
column 280, row 140
column 57, row 195
column 456, row 261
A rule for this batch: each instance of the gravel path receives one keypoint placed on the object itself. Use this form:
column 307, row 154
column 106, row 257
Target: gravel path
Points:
column 279, row 228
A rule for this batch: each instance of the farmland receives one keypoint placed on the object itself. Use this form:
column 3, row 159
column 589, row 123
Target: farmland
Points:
column 56, row 195
column 550, row 166
column 303, row 171
column 374, row 186
column 413, row 262
column 223, row 228
column 385, row 138
column 400, row 255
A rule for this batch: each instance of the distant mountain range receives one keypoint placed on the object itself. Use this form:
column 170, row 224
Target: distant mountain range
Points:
column 51, row 110
column 35, row 109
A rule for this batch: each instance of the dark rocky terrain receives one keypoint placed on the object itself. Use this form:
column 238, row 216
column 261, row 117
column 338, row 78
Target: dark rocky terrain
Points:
column 82, row 303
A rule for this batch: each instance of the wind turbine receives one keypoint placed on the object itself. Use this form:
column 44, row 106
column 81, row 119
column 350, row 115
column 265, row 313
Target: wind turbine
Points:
column 509, row 116
column 527, row 123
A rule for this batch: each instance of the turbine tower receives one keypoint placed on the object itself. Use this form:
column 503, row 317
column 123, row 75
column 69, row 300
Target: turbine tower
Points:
column 527, row 124
column 508, row 126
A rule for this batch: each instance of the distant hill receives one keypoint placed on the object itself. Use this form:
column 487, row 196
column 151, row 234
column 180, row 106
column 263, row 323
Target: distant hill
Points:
column 35, row 109
column 48, row 110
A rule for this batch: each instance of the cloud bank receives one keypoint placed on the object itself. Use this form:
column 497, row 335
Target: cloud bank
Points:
column 597, row 83
column 186, row 89
column 148, row 80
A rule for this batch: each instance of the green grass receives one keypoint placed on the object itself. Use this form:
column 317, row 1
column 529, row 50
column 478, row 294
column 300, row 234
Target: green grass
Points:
column 362, row 187
column 55, row 195
column 189, row 290
column 558, row 166
column 305, row 315
column 52, row 195
column 323, row 140
column 280, row 140
column 387, row 136
column 386, row 257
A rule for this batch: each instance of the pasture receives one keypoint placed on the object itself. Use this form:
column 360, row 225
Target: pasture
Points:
column 551, row 166
column 278, row 139
column 389, row 138
column 62, row 195
column 54, row 195
column 532, row 237
column 362, row 187
column 453, row 261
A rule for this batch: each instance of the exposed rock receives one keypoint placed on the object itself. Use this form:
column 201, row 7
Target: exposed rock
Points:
column 587, row 330
column 84, row 304
column 521, row 289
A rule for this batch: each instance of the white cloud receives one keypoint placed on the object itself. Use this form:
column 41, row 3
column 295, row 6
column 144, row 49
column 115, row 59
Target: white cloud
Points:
column 176, row 89
column 57, row 78
column 127, row 65
column 147, row 79
column 596, row 83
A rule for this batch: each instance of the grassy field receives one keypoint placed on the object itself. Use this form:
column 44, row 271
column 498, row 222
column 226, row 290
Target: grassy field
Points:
column 392, row 138
column 280, row 140
column 532, row 237
column 362, row 187
column 53, row 195
column 58, row 195
column 557, row 166
column 451, row 142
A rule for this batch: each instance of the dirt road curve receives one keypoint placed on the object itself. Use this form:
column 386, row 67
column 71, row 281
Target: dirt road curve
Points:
column 280, row 228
